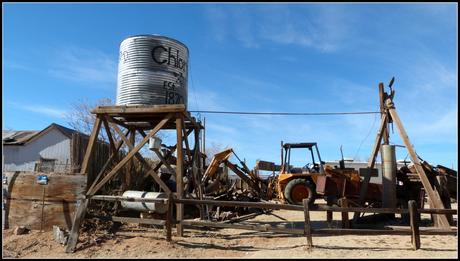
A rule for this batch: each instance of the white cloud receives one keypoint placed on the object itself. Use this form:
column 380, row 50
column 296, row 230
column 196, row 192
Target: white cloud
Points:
column 17, row 66
column 204, row 100
column 40, row 109
column 325, row 28
column 84, row 65
column 221, row 129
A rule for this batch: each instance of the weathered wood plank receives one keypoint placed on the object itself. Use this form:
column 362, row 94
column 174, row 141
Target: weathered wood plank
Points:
column 307, row 224
column 147, row 109
column 29, row 213
column 415, row 237
column 256, row 227
column 60, row 186
column 321, row 231
column 78, row 217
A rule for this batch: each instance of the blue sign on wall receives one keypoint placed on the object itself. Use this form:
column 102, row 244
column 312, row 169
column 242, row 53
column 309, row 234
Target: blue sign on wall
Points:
column 42, row 179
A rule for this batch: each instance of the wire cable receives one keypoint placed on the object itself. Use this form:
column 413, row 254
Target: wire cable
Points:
column 367, row 136
column 288, row 113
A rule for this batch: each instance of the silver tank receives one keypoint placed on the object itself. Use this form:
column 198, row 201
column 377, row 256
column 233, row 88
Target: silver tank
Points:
column 389, row 176
column 152, row 70
column 144, row 206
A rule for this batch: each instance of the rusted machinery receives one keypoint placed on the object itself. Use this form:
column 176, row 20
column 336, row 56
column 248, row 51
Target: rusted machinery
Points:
column 292, row 184
column 315, row 179
column 210, row 182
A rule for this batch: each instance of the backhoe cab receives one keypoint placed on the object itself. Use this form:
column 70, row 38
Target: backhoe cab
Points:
column 295, row 184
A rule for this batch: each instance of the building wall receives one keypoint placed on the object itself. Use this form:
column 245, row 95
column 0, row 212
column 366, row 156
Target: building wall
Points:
column 52, row 145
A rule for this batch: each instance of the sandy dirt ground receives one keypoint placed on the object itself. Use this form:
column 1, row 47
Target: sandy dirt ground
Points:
column 134, row 241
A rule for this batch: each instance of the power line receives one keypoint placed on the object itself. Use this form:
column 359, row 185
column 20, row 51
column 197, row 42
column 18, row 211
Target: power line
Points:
column 288, row 113
column 368, row 133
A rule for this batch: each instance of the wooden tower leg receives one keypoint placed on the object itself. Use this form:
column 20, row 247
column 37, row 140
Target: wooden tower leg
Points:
column 432, row 194
column 81, row 211
column 179, row 180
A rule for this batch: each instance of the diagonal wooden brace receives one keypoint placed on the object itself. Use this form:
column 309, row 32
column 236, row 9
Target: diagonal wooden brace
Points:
column 90, row 148
column 433, row 195
column 131, row 155
column 113, row 156
column 141, row 159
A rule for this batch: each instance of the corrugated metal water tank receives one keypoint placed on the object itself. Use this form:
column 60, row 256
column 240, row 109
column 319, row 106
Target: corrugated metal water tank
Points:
column 152, row 70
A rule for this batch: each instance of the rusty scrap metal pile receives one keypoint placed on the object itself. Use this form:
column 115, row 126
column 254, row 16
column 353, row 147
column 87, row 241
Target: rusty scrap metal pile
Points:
column 249, row 186
column 219, row 185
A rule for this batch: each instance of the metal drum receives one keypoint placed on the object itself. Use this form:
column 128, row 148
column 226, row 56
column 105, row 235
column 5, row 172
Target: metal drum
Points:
column 389, row 199
column 144, row 206
column 152, row 70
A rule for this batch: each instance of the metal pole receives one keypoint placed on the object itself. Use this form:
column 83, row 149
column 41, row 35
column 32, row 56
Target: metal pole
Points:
column 388, row 176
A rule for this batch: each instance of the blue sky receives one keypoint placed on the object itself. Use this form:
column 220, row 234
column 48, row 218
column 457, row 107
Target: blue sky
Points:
column 251, row 57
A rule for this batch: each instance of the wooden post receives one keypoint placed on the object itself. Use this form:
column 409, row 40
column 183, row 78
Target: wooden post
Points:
column 43, row 210
column 307, row 225
column 169, row 216
column 179, row 181
column 198, row 169
column 345, row 220
column 73, row 236
column 130, row 165
column 81, row 211
column 90, row 148
column 329, row 217
column 432, row 194
column 415, row 239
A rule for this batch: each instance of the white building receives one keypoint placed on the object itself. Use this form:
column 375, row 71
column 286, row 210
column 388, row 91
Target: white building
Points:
column 50, row 150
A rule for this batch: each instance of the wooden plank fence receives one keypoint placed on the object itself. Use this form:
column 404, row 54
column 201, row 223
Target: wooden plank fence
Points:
column 414, row 231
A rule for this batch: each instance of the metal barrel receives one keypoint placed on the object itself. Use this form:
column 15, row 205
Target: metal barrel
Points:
column 144, row 206
column 152, row 70
column 389, row 176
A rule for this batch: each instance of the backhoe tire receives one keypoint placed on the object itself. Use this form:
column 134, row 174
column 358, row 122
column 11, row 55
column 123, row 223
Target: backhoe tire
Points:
column 298, row 189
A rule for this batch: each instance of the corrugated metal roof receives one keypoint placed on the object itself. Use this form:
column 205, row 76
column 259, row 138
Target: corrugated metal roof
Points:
column 17, row 137
column 22, row 137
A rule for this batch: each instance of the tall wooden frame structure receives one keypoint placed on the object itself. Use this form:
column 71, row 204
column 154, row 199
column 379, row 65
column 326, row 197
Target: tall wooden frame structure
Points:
column 138, row 120
column 389, row 115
